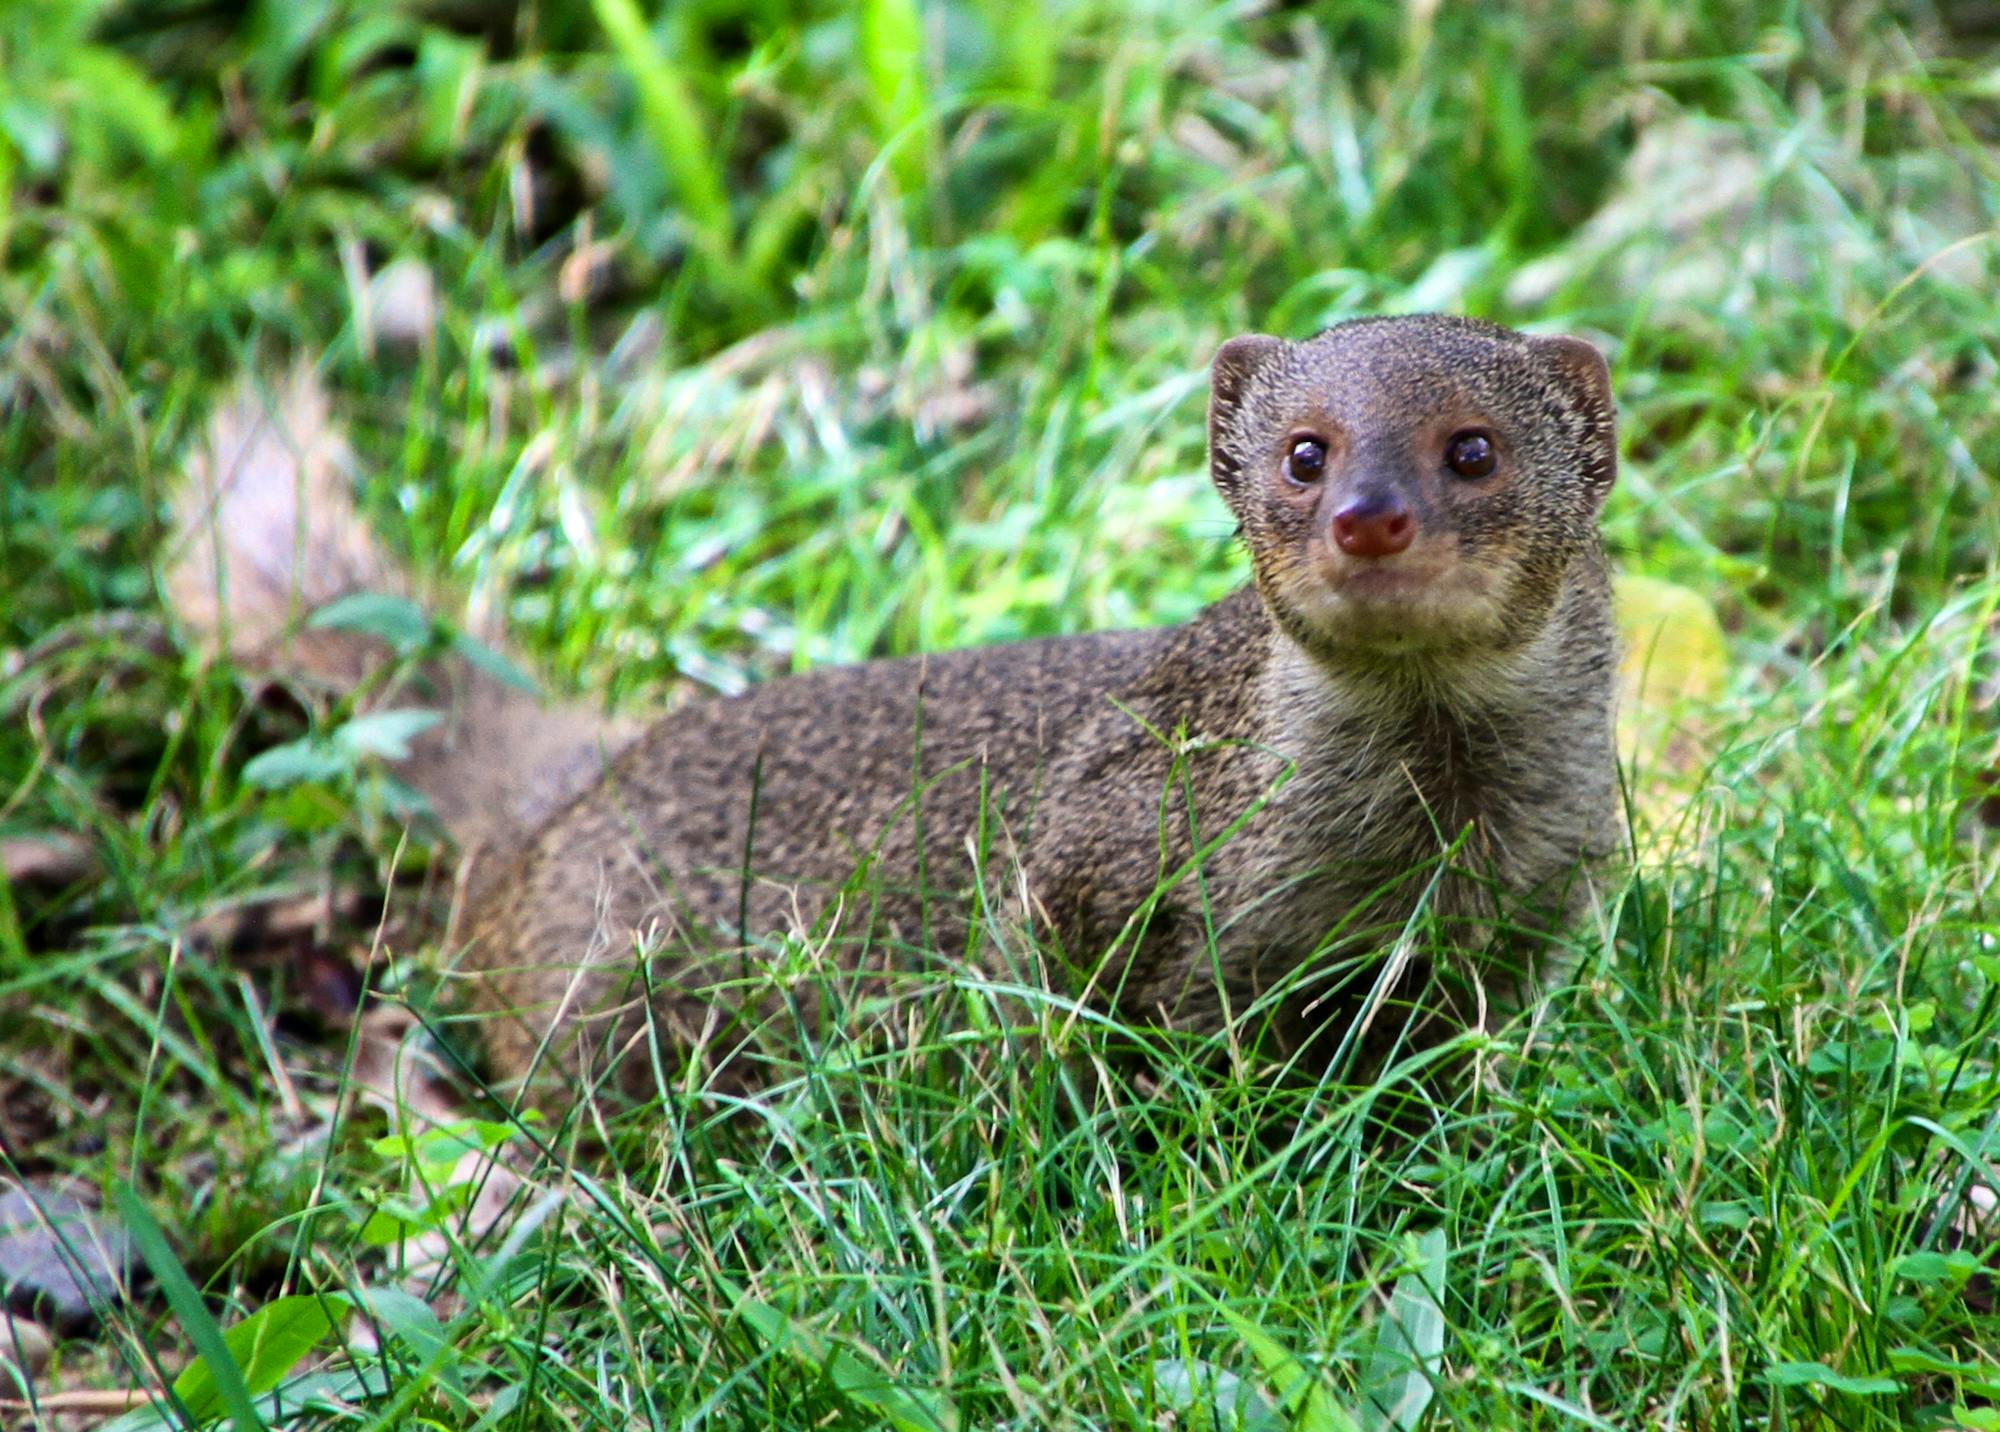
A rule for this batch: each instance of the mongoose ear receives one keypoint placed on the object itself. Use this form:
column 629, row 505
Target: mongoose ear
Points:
column 1236, row 363
column 1590, row 380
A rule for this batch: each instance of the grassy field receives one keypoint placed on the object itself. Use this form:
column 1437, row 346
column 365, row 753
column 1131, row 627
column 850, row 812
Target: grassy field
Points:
column 774, row 333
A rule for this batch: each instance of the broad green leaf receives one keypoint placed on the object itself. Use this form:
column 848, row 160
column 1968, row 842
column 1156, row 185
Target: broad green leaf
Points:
column 439, row 1149
column 892, row 52
column 1027, row 51
column 1953, row 1267
column 121, row 93
column 1204, row 1396
column 396, row 1219
column 383, row 733
column 308, row 759
column 448, row 68
column 308, row 806
column 346, row 1386
column 396, row 620
column 410, row 1321
column 863, row 1383
column 265, row 1346
column 1915, row 1359
column 1300, row 1393
column 495, row 665
column 1409, row 1344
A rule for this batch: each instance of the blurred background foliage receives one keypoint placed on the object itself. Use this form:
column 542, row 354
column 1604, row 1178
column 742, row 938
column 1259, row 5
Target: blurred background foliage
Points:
column 989, row 231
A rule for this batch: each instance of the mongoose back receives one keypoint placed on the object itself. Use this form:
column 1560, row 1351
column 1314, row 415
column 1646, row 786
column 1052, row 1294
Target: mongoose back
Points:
column 1405, row 718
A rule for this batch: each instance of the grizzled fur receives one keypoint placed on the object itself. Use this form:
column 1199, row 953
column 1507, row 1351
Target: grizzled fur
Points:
column 1262, row 798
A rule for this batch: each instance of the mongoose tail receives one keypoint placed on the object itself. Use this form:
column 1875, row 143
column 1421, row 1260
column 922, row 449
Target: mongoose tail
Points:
column 266, row 534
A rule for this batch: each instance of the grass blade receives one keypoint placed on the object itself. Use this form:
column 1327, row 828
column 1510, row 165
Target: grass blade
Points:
column 231, row 1392
column 686, row 149
column 892, row 52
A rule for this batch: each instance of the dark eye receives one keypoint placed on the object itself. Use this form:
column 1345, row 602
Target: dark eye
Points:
column 1307, row 460
column 1471, row 455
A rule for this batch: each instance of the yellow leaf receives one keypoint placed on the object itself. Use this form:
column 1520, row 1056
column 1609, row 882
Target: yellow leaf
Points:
column 1675, row 662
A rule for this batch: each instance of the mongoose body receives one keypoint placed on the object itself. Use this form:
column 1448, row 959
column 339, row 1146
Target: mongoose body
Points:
column 1360, row 713
column 1398, row 738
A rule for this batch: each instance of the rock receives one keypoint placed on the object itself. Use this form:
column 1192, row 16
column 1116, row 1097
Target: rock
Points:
column 24, row 1350
column 61, row 1261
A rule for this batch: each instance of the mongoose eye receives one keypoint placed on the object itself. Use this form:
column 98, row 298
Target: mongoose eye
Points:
column 1471, row 455
column 1307, row 460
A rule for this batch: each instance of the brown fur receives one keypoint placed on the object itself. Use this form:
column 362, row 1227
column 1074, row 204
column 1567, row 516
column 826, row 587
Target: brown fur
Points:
column 1377, row 737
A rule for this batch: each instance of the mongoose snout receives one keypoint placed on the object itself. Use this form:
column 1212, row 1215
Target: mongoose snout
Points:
column 1373, row 523
column 1381, row 511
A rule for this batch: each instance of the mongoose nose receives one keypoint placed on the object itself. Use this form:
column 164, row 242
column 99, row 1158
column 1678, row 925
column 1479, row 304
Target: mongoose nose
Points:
column 1373, row 526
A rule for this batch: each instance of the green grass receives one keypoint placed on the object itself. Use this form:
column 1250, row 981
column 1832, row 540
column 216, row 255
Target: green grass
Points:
column 768, row 338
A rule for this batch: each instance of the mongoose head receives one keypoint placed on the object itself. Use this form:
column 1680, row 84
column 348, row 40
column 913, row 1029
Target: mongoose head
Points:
column 1412, row 486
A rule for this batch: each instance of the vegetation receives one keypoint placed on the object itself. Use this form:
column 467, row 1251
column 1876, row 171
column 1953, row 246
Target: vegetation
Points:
column 760, row 334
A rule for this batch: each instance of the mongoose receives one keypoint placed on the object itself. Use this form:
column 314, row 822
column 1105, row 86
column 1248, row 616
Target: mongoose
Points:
column 1405, row 718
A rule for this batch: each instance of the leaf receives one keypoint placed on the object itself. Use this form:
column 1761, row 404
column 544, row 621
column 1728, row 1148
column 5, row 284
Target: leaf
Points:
column 410, row 1321
column 1299, row 1391
column 1928, row 1267
column 121, row 95
column 296, row 763
column 1409, row 1344
column 335, row 1389
column 1916, row 1359
column 866, row 1385
column 1802, row 1374
column 486, row 659
column 308, row 805
column 1028, row 51
column 438, row 1151
column 1674, row 656
column 1206, row 1396
column 383, row 733
column 396, row 620
column 264, row 1346
column 908, row 1409
column 394, row 1220
column 448, row 72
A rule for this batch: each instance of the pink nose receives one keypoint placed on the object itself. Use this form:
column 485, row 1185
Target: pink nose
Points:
column 1373, row 527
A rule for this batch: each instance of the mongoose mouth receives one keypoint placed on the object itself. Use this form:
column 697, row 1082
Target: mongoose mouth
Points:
column 1417, row 601
column 1381, row 581
column 1426, row 571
